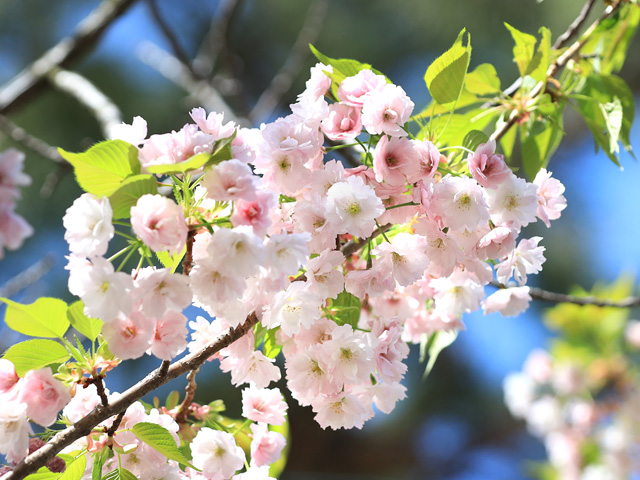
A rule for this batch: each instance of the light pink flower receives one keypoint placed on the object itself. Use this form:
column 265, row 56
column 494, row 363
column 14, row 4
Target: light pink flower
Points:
column 11, row 170
column 212, row 124
column 527, row 258
column 266, row 446
column 175, row 147
column 341, row 410
column 255, row 212
column 405, row 256
column 497, row 243
column 342, row 123
column 14, row 431
column 514, row 200
column 308, row 375
column 85, row 399
column 510, row 302
column 353, row 207
column 230, row 180
column 8, row 376
column 170, row 336
column 488, row 168
column 255, row 368
column 461, row 203
column 322, row 276
column 457, row 293
column 318, row 83
column 159, row 291
column 14, row 229
column 350, row 355
column 160, row 223
column 293, row 308
column 88, row 225
column 134, row 134
column 129, row 336
column 354, row 90
column 216, row 454
column 44, row 395
column 393, row 159
column 428, row 160
column 551, row 202
column 373, row 282
column 264, row 405
column 386, row 111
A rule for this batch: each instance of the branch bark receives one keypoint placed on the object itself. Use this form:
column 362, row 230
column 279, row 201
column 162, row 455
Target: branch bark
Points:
column 33, row 79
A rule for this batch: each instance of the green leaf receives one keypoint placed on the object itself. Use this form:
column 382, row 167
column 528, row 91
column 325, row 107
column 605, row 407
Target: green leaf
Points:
column 89, row 327
column 445, row 76
column 542, row 60
column 43, row 473
column 130, row 190
column 46, row 317
column 474, row 139
column 192, row 163
column 437, row 343
column 612, row 113
column 75, row 469
column 160, row 439
column 171, row 261
column 173, row 399
column 99, row 460
column 539, row 140
column 102, row 168
column 483, row 80
column 271, row 348
column 120, row 474
column 610, row 41
column 348, row 308
column 523, row 50
column 35, row 354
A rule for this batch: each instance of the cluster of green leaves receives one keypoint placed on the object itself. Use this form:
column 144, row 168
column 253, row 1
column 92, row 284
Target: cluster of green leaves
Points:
column 467, row 106
column 50, row 318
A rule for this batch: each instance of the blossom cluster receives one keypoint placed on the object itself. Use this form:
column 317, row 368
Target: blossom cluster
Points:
column 564, row 404
column 13, row 228
column 342, row 267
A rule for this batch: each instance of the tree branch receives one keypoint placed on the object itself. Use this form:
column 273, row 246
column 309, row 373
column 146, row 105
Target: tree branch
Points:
column 281, row 83
column 183, row 410
column 32, row 80
column 34, row 144
column 102, row 107
column 553, row 297
column 576, row 25
column 28, row 277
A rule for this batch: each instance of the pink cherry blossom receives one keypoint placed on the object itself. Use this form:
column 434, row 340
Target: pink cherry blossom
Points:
column 353, row 207
column 461, row 203
column 393, row 159
column 514, row 200
column 405, row 256
column 386, row 111
column 341, row 410
column 14, row 229
column 175, row 147
column 509, row 302
column 44, row 395
column 159, row 291
column 264, row 405
column 354, row 90
column 134, row 134
column 8, row 376
column 527, row 258
column 342, row 122
column 170, row 336
column 266, row 446
column 428, row 160
column 129, row 336
column 88, row 225
column 216, row 454
column 230, row 180
column 488, row 168
column 551, row 202
column 212, row 124
column 255, row 212
column 160, row 223
column 14, row 431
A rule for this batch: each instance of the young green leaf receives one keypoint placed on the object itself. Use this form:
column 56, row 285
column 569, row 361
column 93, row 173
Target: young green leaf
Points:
column 539, row 140
column 612, row 113
column 130, row 190
column 99, row 460
column 192, row 163
column 89, row 327
column 35, row 354
column 46, row 317
column 523, row 50
column 438, row 342
column 102, row 168
column 172, row 400
column 474, row 139
column 271, row 347
column 75, row 469
column 348, row 308
column 160, row 439
column 120, row 474
column 446, row 75
column 483, row 80
column 171, row 261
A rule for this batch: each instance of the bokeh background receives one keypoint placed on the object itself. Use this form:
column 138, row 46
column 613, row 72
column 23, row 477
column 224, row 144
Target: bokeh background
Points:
column 452, row 426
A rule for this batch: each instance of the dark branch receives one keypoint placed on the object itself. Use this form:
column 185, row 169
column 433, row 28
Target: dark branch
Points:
column 32, row 80
column 185, row 406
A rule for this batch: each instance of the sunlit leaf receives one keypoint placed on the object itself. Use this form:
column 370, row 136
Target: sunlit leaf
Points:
column 128, row 193
column 89, row 327
column 35, row 354
column 46, row 317
column 445, row 76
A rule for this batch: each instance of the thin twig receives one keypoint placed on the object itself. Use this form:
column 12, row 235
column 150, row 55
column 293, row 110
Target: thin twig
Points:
column 32, row 80
column 187, row 263
column 281, row 83
column 353, row 246
column 575, row 26
column 98, row 382
column 34, row 144
column 185, row 406
column 102, row 107
column 178, row 51
column 111, row 431
column 28, row 277
column 553, row 297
